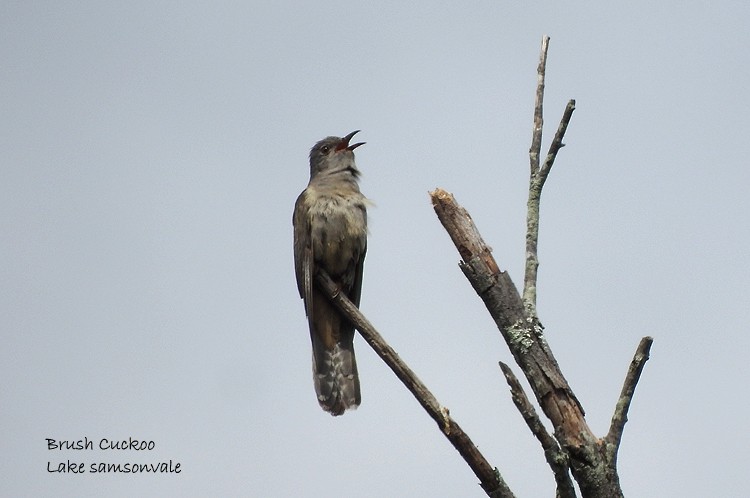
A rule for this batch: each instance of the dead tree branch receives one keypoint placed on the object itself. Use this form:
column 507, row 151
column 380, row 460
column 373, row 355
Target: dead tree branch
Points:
column 557, row 142
column 536, row 137
column 538, row 176
column 555, row 457
column 620, row 417
column 592, row 461
column 524, row 336
column 490, row 479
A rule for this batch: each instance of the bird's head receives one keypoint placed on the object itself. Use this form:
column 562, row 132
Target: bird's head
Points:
column 334, row 155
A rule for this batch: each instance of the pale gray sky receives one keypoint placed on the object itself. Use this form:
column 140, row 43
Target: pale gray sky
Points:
column 151, row 156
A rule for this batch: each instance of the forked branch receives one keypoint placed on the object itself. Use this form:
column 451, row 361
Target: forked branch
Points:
column 537, row 177
column 592, row 461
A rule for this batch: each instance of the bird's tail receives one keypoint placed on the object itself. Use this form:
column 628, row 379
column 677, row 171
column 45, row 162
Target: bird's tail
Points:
column 335, row 375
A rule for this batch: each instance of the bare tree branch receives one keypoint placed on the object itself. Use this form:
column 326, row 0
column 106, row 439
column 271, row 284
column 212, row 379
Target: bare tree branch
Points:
column 523, row 334
column 538, row 176
column 536, row 182
column 620, row 416
column 557, row 142
column 536, row 135
column 555, row 457
column 489, row 477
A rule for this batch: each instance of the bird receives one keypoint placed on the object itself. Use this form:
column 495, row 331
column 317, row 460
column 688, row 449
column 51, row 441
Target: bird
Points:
column 330, row 233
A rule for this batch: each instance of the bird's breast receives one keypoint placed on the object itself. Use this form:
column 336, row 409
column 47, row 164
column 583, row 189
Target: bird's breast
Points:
column 338, row 226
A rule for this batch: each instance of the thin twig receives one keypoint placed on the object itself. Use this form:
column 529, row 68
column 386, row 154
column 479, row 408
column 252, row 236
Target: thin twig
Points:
column 489, row 477
column 537, row 178
column 532, row 205
column 536, row 135
column 620, row 416
column 557, row 142
column 556, row 458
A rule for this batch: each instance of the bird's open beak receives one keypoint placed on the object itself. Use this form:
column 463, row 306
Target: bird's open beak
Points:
column 344, row 144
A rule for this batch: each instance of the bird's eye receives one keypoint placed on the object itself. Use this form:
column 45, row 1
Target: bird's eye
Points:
column 325, row 149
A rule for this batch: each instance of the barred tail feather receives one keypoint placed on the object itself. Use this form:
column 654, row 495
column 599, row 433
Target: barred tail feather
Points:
column 335, row 377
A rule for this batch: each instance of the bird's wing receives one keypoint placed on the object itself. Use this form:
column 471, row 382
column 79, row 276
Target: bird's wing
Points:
column 303, row 252
column 360, row 265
